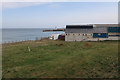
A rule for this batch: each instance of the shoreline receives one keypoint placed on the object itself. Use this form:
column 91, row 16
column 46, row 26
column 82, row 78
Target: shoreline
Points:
column 25, row 41
column 47, row 39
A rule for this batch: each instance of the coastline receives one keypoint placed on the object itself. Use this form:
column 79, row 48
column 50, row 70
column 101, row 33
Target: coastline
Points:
column 26, row 41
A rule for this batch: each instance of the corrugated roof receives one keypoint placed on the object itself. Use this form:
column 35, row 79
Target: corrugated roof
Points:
column 94, row 30
column 105, row 25
column 79, row 26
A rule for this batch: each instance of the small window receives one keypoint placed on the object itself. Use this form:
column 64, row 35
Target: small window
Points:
column 73, row 34
column 79, row 34
column 66, row 34
column 85, row 34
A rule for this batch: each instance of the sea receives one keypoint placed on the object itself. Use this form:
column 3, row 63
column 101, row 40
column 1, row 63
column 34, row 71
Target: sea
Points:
column 22, row 34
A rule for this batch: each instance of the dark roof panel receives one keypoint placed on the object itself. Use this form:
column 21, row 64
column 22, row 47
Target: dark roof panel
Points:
column 94, row 30
column 79, row 26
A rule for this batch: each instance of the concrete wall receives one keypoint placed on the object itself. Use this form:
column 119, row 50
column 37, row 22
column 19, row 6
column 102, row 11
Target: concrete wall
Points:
column 86, row 37
column 114, row 38
column 78, row 36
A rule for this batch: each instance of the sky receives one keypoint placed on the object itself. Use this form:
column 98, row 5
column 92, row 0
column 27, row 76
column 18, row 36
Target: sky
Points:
column 57, row 14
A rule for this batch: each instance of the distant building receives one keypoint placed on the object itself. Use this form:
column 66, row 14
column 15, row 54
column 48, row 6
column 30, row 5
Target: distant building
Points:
column 54, row 36
column 95, row 32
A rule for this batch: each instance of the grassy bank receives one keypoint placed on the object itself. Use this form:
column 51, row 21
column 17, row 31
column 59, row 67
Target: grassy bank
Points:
column 59, row 59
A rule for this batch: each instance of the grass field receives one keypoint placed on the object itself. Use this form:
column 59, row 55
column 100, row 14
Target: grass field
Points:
column 60, row 59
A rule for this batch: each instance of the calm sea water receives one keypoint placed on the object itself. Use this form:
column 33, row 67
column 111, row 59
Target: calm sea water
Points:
column 10, row 35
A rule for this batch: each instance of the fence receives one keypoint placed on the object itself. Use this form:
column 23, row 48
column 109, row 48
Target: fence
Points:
column 25, row 40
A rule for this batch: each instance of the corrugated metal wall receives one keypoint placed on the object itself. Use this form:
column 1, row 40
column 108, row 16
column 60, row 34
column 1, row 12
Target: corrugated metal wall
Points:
column 59, row 36
column 113, row 29
column 100, row 35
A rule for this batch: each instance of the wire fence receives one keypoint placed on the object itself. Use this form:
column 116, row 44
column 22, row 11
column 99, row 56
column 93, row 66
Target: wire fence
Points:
column 25, row 40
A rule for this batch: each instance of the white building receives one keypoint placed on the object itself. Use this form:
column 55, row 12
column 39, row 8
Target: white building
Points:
column 54, row 36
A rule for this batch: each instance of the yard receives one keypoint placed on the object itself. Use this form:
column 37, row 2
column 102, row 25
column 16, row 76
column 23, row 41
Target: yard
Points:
column 60, row 59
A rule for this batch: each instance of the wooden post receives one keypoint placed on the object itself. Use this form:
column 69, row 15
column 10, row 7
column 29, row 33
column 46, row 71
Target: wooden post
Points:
column 28, row 48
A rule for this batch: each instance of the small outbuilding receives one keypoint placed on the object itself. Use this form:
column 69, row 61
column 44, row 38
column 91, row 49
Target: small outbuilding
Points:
column 54, row 36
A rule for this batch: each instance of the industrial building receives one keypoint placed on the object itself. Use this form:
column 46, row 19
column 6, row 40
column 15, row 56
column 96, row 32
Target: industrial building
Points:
column 94, row 32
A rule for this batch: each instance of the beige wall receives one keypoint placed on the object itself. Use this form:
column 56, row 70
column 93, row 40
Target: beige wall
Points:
column 86, row 37
column 113, row 33
column 78, row 36
column 114, row 38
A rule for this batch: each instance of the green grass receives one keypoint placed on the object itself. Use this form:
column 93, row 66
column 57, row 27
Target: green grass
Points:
column 60, row 59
